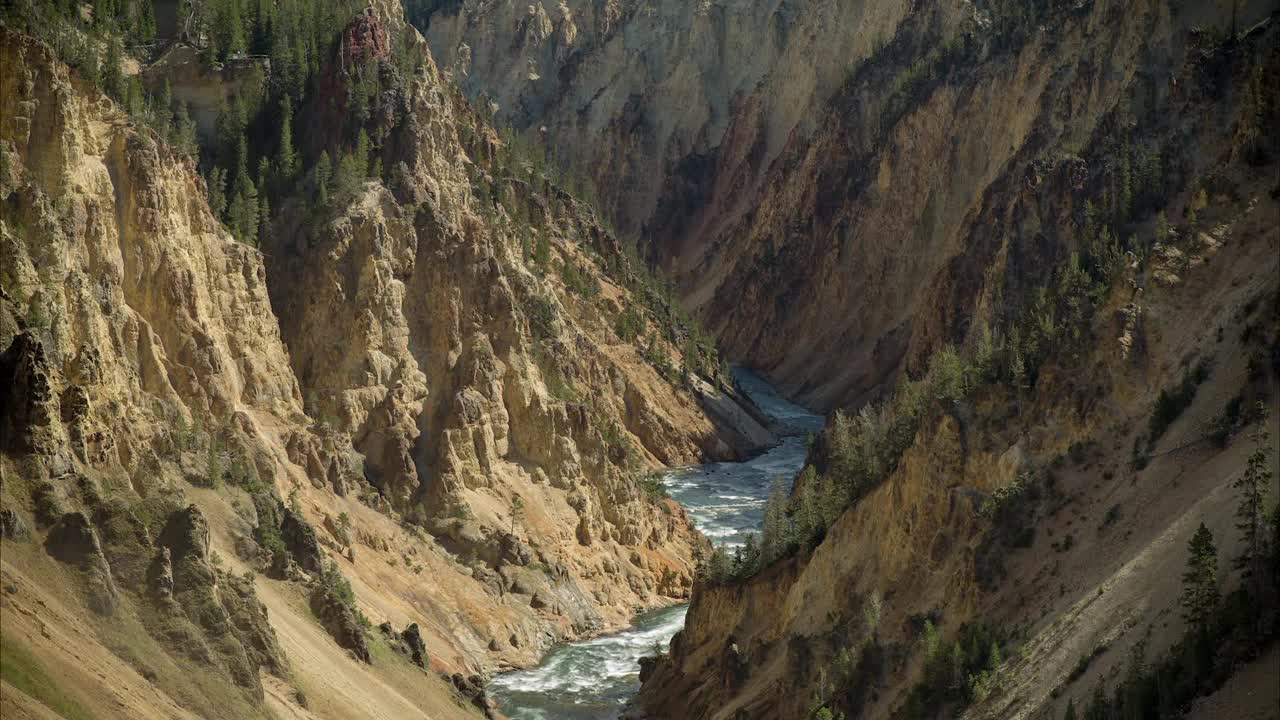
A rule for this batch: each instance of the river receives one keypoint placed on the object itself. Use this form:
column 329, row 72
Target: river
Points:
column 593, row 679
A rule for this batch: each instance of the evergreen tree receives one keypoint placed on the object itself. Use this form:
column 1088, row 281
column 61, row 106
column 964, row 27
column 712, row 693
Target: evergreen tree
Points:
column 362, row 154
column 773, row 536
column 1070, row 714
column 347, row 176
column 718, row 566
column 321, row 172
column 242, row 215
column 1200, row 594
column 162, row 112
column 217, row 182
column 542, row 250
column 113, row 82
column 1251, row 514
column 287, row 160
column 264, row 220
column 184, row 131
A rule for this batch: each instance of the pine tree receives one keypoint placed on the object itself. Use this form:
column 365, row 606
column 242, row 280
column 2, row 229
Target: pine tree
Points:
column 112, row 75
column 747, row 559
column 242, row 215
column 184, row 131
column 773, row 535
column 1162, row 227
column 872, row 609
column 217, row 182
column 162, row 112
column 287, row 160
column 1070, row 714
column 1251, row 513
column 346, row 177
column 542, row 250
column 321, row 172
column 718, row 566
column 264, row 174
column 362, row 154
column 264, row 220
column 929, row 641
column 1200, row 594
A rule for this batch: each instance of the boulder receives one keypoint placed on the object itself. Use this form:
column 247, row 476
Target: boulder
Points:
column 417, row 648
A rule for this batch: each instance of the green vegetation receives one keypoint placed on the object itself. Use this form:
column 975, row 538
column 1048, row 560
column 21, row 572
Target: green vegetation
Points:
column 653, row 486
column 337, row 584
column 1173, row 401
column 958, row 672
column 1251, row 519
column 21, row 669
column 251, row 164
column 629, row 324
column 1221, row 633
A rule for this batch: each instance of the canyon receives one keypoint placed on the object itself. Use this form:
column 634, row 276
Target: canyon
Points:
column 456, row 404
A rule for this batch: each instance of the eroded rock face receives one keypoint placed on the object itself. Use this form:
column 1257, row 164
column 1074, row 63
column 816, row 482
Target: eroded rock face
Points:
column 919, row 540
column 73, row 540
column 444, row 375
column 340, row 620
column 12, row 526
column 469, row 376
column 28, row 417
column 209, row 613
column 674, row 109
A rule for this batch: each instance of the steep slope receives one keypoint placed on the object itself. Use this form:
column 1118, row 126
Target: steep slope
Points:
column 1048, row 513
column 785, row 159
column 464, row 457
column 899, row 205
column 671, row 110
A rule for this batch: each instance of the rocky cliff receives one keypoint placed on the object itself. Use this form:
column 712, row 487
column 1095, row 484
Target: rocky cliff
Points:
column 785, row 152
column 395, row 411
column 1048, row 518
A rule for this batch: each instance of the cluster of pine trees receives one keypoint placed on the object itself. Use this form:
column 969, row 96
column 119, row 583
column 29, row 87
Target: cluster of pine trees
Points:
column 1222, row 630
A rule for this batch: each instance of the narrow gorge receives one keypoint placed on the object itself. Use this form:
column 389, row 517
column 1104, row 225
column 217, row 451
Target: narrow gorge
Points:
column 734, row 360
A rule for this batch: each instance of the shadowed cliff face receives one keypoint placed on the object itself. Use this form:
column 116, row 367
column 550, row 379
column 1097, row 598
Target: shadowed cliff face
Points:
column 674, row 110
column 790, row 159
column 1086, row 565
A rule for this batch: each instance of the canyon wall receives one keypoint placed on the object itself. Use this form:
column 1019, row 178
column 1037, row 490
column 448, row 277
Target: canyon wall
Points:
column 1083, row 572
column 392, row 411
column 809, row 156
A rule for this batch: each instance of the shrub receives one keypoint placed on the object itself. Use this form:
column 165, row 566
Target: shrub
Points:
column 1173, row 401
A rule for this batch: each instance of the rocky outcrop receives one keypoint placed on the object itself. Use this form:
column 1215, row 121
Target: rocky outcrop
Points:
column 443, row 375
column 409, row 642
column 474, row 381
column 339, row 619
column 223, row 610
column 73, row 540
column 12, row 526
